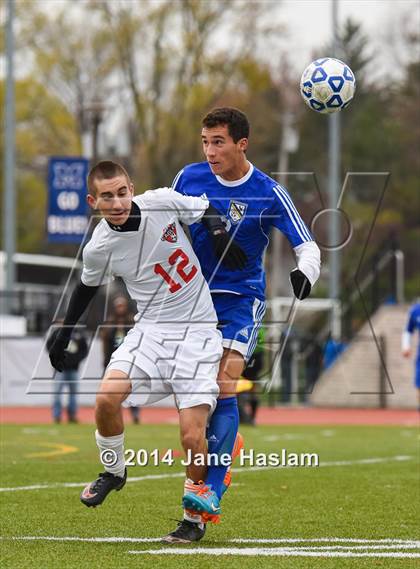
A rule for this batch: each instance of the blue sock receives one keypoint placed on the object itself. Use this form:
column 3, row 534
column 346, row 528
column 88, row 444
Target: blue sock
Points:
column 221, row 434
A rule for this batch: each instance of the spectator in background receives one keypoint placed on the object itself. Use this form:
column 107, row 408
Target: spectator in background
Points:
column 332, row 349
column 76, row 352
column 413, row 324
column 313, row 364
column 286, row 369
column 120, row 321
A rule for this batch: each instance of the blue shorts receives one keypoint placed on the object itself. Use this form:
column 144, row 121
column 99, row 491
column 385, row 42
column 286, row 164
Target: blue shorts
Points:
column 240, row 317
column 417, row 374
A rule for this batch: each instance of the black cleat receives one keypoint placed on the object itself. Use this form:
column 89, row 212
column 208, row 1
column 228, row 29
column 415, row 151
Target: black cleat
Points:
column 186, row 532
column 96, row 492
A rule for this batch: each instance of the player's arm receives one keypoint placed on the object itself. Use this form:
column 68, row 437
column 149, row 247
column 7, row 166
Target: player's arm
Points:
column 94, row 274
column 79, row 301
column 195, row 209
column 406, row 344
column 406, row 336
column 225, row 248
column 308, row 269
column 286, row 219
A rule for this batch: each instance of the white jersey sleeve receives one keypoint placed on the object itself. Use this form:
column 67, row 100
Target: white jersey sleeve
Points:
column 309, row 260
column 406, row 341
column 96, row 266
column 189, row 209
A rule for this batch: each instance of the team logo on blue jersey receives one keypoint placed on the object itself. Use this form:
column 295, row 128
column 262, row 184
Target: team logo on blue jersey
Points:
column 237, row 211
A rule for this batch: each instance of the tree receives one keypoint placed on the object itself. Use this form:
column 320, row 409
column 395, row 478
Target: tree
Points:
column 75, row 64
column 171, row 60
column 43, row 127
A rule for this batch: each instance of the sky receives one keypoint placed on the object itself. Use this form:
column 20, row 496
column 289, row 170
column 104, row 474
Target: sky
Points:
column 310, row 21
column 308, row 25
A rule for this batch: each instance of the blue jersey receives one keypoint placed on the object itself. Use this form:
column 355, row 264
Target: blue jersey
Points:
column 413, row 324
column 250, row 207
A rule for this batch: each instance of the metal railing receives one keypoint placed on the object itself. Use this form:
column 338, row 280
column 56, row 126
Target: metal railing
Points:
column 384, row 283
column 36, row 304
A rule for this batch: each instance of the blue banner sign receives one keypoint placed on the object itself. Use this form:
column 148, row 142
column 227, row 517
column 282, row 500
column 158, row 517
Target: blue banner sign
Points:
column 67, row 209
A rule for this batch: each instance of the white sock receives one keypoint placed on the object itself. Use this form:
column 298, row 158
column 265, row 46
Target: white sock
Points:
column 114, row 445
column 195, row 518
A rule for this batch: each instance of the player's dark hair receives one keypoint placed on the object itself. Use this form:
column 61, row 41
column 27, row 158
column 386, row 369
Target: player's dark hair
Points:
column 234, row 119
column 105, row 170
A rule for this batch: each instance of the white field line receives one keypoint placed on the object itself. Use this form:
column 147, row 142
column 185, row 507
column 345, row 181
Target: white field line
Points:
column 387, row 543
column 357, row 547
column 397, row 458
column 88, row 539
column 324, row 540
column 273, row 552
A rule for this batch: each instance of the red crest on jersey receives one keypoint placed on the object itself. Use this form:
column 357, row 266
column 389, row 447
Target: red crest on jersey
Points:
column 169, row 233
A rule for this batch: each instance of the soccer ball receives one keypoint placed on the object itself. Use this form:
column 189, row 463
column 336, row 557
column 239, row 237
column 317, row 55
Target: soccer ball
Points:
column 327, row 85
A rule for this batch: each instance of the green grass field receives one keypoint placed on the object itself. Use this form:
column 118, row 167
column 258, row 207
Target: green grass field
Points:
column 347, row 497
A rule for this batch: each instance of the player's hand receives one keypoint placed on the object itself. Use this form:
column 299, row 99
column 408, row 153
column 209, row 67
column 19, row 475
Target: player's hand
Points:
column 300, row 284
column 406, row 353
column 234, row 257
column 57, row 352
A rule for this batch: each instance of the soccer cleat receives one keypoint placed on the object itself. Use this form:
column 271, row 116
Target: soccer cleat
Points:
column 96, row 492
column 237, row 447
column 186, row 532
column 204, row 501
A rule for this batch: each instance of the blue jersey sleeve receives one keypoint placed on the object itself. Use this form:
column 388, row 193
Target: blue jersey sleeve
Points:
column 286, row 218
column 411, row 324
column 177, row 183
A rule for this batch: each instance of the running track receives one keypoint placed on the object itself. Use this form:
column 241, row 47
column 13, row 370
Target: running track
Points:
column 266, row 416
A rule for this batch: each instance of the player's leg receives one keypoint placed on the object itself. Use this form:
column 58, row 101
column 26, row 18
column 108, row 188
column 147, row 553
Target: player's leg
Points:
column 231, row 367
column 198, row 496
column 192, row 425
column 58, row 388
column 223, row 426
column 135, row 414
column 114, row 389
column 417, row 380
column 240, row 318
column 72, row 406
column 195, row 389
column 193, row 422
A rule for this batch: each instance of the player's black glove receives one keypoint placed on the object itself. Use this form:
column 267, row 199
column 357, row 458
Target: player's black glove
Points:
column 58, row 341
column 233, row 257
column 300, row 284
column 57, row 349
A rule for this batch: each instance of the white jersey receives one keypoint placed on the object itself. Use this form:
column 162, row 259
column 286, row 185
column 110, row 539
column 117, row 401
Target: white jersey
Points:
column 156, row 262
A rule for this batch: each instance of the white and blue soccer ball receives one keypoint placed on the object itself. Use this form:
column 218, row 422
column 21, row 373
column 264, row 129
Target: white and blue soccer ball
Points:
column 327, row 85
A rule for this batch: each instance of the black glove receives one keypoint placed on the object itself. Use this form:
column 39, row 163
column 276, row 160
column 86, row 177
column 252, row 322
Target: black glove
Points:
column 300, row 284
column 57, row 343
column 57, row 350
column 234, row 257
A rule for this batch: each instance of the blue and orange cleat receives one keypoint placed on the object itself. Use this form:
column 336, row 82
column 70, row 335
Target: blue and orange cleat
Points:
column 204, row 501
column 237, row 447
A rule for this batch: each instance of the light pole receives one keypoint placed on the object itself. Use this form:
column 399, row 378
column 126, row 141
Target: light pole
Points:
column 334, row 153
column 9, row 198
column 93, row 115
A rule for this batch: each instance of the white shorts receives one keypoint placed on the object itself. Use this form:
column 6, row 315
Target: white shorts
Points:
column 160, row 362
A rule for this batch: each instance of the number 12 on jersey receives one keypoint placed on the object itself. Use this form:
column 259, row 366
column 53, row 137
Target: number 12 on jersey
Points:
column 185, row 276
